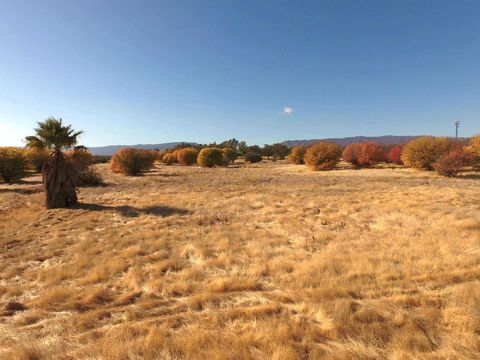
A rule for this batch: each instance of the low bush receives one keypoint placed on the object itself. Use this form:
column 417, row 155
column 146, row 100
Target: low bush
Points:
column 253, row 157
column 297, row 155
column 363, row 155
column 82, row 161
column 452, row 162
column 169, row 158
column 187, row 156
column 13, row 164
column 37, row 158
column 473, row 148
column 132, row 161
column 210, row 157
column 323, row 156
column 230, row 155
column 394, row 156
column 421, row 153
column 350, row 154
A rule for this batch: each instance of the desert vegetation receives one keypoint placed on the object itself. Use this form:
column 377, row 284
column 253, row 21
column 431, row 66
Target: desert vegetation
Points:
column 323, row 156
column 260, row 261
column 132, row 162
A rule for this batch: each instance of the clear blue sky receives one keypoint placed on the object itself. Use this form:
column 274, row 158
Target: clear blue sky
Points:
column 130, row 72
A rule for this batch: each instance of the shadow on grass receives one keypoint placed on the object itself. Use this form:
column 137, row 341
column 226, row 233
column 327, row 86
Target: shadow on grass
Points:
column 470, row 176
column 130, row 211
column 20, row 190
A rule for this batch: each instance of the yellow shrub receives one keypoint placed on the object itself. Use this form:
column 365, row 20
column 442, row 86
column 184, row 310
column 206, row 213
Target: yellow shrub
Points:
column 297, row 155
column 323, row 156
column 132, row 161
column 37, row 158
column 421, row 153
column 13, row 164
column 211, row 156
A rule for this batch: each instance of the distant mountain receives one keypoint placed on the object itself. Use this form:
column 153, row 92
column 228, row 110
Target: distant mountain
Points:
column 384, row 140
column 112, row 149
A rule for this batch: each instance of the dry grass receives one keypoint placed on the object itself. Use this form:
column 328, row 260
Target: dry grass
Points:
column 267, row 261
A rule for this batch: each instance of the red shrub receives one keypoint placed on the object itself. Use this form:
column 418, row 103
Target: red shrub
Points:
column 394, row 155
column 363, row 155
column 452, row 162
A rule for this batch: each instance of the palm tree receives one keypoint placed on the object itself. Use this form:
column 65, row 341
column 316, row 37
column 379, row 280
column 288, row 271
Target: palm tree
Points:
column 57, row 173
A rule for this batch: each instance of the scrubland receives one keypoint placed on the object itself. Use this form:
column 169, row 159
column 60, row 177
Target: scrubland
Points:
column 264, row 261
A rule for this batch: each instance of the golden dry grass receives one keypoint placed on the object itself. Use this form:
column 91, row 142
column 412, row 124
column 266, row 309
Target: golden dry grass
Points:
column 268, row 261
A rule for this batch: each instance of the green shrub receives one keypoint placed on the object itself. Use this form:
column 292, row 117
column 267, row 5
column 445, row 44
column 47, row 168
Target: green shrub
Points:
column 187, row 156
column 323, row 156
column 421, row 153
column 37, row 158
column 253, row 157
column 230, row 155
column 297, row 155
column 13, row 164
column 211, row 156
column 132, row 161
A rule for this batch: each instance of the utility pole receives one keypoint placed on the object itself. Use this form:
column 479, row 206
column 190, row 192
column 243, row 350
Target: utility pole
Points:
column 457, row 124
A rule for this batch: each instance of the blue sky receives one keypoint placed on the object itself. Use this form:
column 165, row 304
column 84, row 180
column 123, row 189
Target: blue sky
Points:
column 130, row 72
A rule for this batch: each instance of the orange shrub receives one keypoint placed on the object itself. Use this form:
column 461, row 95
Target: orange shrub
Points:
column 13, row 164
column 422, row 152
column 473, row 148
column 37, row 158
column 370, row 154
column 323, row 156
column 187, row 156
column 350, row 154
column 297, row 155
column 210, row 157
column 363, row 155
column 395, row 154
column 132, row 161
column 169, row 158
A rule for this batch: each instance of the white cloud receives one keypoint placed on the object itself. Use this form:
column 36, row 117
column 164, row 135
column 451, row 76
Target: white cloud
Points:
column 287, row 110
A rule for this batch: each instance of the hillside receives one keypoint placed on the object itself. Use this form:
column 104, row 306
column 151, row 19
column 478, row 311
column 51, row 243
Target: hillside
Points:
column 111, row 149
column 384, row 140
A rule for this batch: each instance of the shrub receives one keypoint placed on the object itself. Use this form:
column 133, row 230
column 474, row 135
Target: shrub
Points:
column 452, row 162
column 13, row 164
column 132, row 161
column 297, row 155
column 169, row 158
column 369, row 154
column 187, row 156
column 85, row 175
column 230, row 155
column 323, row 156
column 211, row 156
column 363, row 155
column 350, row 154
column 37, row 158
column 422, row 152
column 253, row 157
column 395, row 154
column 473, row 148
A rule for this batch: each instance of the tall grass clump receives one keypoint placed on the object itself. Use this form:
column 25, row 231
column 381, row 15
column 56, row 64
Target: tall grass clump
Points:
column 13, row 164
column 187, row 156
column 323, row 156
column 210, row 157
column 132, row 162
column 297, row 155
column 421, row 153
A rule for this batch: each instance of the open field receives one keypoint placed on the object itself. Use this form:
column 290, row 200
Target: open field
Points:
column 264, row 261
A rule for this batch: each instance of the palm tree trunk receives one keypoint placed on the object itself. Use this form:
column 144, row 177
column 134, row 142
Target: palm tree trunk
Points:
column 58, row 181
